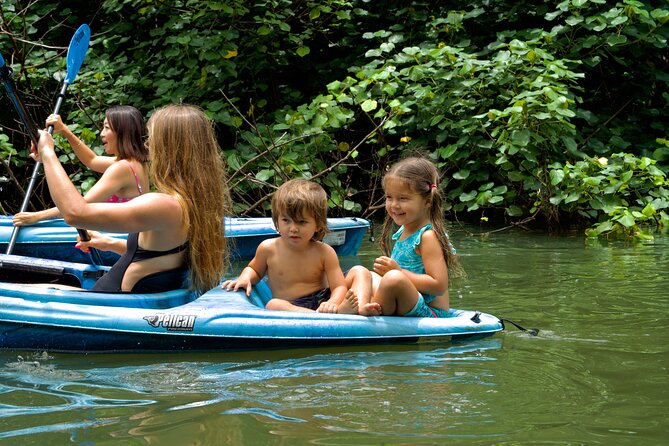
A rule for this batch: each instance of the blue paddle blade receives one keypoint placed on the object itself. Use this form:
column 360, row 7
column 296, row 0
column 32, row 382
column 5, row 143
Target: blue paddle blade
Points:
column 76, row 53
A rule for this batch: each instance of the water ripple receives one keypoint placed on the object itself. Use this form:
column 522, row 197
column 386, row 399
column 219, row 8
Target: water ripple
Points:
column 597, row 373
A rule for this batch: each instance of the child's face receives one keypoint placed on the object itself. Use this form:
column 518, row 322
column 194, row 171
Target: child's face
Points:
column 405, row 206
column 297, row 232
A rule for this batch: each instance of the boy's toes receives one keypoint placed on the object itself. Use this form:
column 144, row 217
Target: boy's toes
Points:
column 349, row 305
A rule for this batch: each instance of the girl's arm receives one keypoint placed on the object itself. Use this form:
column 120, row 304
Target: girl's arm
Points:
column 435, row 279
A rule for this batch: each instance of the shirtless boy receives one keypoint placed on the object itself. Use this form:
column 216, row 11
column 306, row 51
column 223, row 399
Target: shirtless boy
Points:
column 303, row 272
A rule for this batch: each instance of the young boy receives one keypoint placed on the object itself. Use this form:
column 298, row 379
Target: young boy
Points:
column 303, row 272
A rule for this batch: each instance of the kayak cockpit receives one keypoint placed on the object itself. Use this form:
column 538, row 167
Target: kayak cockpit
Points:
column 52, row 281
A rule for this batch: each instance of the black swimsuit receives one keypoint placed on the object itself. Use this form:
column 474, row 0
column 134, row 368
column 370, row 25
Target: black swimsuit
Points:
column 313, row 300
column 153, row 283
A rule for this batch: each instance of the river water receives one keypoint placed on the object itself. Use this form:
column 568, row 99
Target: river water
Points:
column 595, row 375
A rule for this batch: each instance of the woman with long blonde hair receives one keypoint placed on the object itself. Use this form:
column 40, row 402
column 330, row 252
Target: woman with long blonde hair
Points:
column 175, row 232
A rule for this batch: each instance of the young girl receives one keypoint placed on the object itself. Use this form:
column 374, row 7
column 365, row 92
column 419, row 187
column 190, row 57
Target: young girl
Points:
column 124, row 170
column 413, row 281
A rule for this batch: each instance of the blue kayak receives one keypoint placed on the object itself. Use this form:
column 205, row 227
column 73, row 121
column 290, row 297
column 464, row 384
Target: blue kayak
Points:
column 54, row 239
column 44, row 318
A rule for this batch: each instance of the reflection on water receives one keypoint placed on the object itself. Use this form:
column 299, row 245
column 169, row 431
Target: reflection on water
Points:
column 283, row 386
column 596, row 374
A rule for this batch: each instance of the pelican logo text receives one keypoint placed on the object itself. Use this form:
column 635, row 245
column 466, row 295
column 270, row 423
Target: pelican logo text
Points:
column 172, row 322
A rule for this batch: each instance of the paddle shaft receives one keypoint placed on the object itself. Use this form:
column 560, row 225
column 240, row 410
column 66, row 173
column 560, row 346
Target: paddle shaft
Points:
column 83, row 234
column 76, row 53
column 6, row 75
column 38, row 165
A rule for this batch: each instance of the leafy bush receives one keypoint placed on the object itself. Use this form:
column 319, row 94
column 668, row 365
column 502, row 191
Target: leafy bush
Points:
column 502, row 95
column 624, row 192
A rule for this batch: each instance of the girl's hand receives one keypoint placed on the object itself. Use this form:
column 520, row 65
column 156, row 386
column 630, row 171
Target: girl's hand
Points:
column 25, row 218
column 56, row 122
column 384, row 264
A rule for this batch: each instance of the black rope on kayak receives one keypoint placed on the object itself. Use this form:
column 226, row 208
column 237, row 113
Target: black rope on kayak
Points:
column 531, row 331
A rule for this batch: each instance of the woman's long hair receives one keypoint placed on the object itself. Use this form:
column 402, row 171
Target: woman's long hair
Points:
column 422, row 177
column 128, row 124
column 186, row 163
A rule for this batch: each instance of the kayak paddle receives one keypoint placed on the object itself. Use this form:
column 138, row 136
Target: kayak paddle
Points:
column 6, row 73
column 76, row 53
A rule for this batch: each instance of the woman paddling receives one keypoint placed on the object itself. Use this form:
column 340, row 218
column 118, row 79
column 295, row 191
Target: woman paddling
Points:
column 173, row 232
column 124, row 170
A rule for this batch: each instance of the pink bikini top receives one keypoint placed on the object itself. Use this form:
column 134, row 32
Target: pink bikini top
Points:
column 116, row 198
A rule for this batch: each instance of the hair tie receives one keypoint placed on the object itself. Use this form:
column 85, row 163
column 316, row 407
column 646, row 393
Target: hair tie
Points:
column 433, row 186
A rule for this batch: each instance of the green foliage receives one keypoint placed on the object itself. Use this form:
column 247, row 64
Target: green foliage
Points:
column 513, row 100
column 624, row 192
column 497, row 118
column 7, row 153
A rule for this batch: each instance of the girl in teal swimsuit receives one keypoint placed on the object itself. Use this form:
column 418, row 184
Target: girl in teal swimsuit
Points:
column 413, row 281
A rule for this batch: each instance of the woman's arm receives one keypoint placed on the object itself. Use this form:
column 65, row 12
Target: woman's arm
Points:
column 113, row 180
column 149, row 212
column 85, row 154
column 116, row 178
column 103, row 243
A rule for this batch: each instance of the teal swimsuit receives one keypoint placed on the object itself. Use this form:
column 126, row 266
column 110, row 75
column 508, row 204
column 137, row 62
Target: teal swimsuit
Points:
column 404, row 253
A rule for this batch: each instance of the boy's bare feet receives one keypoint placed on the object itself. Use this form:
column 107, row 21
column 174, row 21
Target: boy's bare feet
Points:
column 349, row 305
column 370, row 309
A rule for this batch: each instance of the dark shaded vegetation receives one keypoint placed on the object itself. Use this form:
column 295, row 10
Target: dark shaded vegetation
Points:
column 538, row 113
